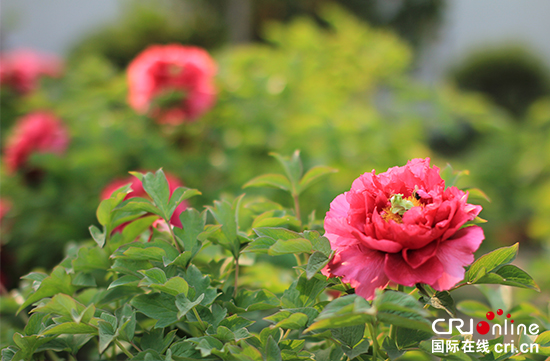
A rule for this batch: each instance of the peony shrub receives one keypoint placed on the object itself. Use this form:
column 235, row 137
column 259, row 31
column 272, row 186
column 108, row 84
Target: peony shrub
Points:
column 189, row 292
column 37, row 132
column 172, row 83
column 21, row 69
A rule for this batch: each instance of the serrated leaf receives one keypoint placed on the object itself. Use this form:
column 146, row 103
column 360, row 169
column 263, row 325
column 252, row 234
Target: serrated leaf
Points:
column 492, row 261
column 313, row 175
column 270, row 180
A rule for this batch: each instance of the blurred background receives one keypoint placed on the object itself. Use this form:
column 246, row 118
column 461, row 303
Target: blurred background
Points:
column 354, row 85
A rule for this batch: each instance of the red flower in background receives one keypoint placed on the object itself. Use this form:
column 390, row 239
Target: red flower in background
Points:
column 172, row 83
column 401, row 226
column 138, row 191
column 20, row 69
column 38, row 132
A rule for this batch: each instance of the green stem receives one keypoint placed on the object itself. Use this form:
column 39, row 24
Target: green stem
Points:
column 375, row 346
column 173, row 236
column 297, row 207
column 126, row 352
column 52, row 355
column 236, row 277
column 136, row 347
column 199, row 318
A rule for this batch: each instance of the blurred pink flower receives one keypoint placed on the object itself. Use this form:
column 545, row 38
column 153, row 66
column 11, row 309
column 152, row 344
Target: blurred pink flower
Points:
column 39, row 132
column 20, row 69
column 138, row 191
column 172, row 83
column 401, row 226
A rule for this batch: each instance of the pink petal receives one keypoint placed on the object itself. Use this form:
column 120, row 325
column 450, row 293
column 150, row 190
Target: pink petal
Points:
column 455, row 253
column 400, row 272
column 361, row 267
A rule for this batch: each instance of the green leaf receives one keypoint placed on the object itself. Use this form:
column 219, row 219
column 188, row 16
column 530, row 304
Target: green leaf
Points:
column 270, row 180
column 293, row 168
column 276, row 233
column 58, row 282
column 137, row 204
column 184, row 305
column 155, row 340
column 127, row 323
column 60, row 304
column 313, row 175
column 124, row 280
column 97, row 235
column 509, row 275
column 153, row 276
column 174, row 286
column 291, row 246
column 361, row 348
column 91, row 259
column 543, row 339
column 248, row 301
column 226, row 214
column 345, row 311
column 401, row 309
column 179, row 195
column 492, row 261
column 316, row 262
column 441, row 300
column 192, row 226
column 260, row 245
column 156, row 186
column 159, row 306
column 71, row 328
column 107, row 333
column 407, row 337
column 294, row 322
column 272, row 351
column 145, row 254
column 349, row 336
column 137, row 227
column 28, row 345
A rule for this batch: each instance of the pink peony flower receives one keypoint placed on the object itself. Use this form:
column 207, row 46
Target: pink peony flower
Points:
column 172, row 83
column 38, row 132
column 401, row 226
column 20, row 69
column 138, row 191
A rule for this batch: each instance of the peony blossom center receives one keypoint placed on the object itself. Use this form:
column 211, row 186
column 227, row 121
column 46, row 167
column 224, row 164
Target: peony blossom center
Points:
column 399, row 205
